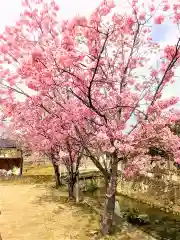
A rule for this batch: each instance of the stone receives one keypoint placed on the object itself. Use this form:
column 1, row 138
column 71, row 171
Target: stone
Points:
column 156, row 221
column 94, row 232
column 117, row 210
column 139, row 219
column 144, row 218
column 78, row 193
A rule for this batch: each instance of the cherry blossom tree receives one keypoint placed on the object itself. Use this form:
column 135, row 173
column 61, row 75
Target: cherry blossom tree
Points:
column 47, row 135
column 95, row 73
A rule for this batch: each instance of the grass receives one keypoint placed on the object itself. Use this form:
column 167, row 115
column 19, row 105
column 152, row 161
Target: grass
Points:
column 42, row 170
column 46, row 170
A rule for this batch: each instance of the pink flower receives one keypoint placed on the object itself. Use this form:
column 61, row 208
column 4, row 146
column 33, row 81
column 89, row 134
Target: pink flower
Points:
column 166, row 7
column 36, row 55
column 177, row 160
column 169, row 51
column 159, row 20
column 142, row 16
column 56, row 8
column 152, row 8
column 173, row 118
column 32, row 86
column 154, row 73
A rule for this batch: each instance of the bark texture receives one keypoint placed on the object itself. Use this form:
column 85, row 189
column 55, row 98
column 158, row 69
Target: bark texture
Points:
column 57, row 175
column 109, row 206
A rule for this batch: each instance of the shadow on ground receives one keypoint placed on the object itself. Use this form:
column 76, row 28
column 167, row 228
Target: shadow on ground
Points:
column 122, row 229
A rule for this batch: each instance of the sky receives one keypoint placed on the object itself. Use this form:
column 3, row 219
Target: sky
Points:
column 10, row 9
column 164, row 34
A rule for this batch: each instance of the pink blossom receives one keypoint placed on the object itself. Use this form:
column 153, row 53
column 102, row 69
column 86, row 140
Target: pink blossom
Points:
column 151, row 8
column 177, row 160
column 149, row 38
column 169, row 52
column 166, row 7
column 159, row 20
column 56, row 8
column 154, row 73
column 142, row 16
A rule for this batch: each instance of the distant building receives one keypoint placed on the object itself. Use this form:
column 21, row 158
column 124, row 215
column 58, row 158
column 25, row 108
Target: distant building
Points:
column 10, row 155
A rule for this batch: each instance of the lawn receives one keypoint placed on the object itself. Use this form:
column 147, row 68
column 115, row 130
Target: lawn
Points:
column 45, row 170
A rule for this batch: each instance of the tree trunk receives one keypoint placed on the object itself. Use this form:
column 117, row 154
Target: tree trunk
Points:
column 109, row 206
column 106, row 182
column 57, row 175
column 71, row 189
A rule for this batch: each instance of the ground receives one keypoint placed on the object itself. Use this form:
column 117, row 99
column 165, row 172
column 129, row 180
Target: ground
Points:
column 38, row 212
column 33, row 212
column 31, row 209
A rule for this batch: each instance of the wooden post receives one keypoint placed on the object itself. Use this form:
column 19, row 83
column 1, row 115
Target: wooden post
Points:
column 77, row 189
column 60, row 172
column 57, row 175
column 21, row 165
column 0, row 233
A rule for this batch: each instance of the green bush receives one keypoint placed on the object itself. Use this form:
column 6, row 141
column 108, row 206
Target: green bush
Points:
column 91, row 187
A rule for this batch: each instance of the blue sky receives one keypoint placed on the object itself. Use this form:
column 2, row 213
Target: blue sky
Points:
column 159, row 32
column 164, row 34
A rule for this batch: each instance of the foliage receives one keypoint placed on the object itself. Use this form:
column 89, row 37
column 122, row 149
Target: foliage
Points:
column 91, row 187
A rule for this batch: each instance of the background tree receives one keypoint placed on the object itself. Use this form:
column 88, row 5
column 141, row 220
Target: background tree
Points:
column 48, row 136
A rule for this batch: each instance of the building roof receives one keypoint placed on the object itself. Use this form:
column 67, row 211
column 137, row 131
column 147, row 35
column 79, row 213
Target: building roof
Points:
column 6, row 143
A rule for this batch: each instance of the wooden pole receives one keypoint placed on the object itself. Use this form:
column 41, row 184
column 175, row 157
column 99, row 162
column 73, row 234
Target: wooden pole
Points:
column 0, row 233
column 60, row 172
column 77, row 189
column 21, row 165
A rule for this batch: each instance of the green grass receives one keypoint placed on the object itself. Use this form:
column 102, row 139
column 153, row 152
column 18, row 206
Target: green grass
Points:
column 47, row 170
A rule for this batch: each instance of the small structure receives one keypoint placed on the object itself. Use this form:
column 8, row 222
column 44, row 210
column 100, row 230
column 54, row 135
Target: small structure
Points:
column 10, row 155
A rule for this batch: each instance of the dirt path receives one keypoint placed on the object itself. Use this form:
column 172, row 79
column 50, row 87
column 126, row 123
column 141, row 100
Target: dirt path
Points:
column 31, row 213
